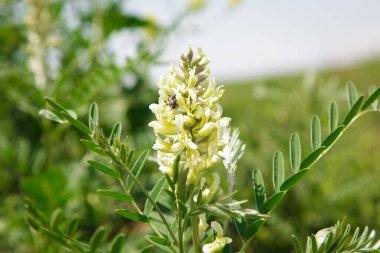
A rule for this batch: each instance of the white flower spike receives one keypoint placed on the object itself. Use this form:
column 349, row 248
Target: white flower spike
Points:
column 188, row 117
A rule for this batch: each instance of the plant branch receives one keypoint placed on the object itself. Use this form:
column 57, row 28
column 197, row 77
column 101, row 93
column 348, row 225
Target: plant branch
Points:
column 145, row 192
column 354, row 119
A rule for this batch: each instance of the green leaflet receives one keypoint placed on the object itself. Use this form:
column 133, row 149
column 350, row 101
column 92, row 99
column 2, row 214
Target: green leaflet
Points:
column 105, row 169
column 295, row 152
column 117, row 244
column 333, row 117
column 133, row 215
column 352, row 94
column 292, row 180
column 115, row 194
column 136, row 168
column 115, row 134
column 354, row 110
column 154, row 194
column 93, row 116
column 312, row 157
column 273, row 201
column 278, row 170
column 297, row 245
column 371, row 99
column 97, row 239
column 259, row 189
column 72, row 226
column 76, row 123
column 315, row 132
column 56, row 218
column 59, row 108
column 253, row 228
column 332, row 136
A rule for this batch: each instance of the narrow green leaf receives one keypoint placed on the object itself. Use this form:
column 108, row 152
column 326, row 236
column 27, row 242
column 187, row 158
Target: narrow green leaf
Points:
column 241, row 227
column 130, row 155
column 295, row 151
column 133, row 215
column 354, row 110
column 105, row 169
column 312, row 157
column 355, row 235
column 93, row 116
column 352, row 94
column 97, row 239
column 333, row 136
column 273, row 201
column 314, row 243
column 259, row 189
column 278, row 170
column 76, row 123
column 334, row 117
column 115, row 194
column 160, row 240
column 154, row 194
column 115, row 133
column 297, row 245
column 117, row 244
column 136, row 168
column 72, row 226
column 56, row 218
column 372, row 98
column 253, row 228
column 291, row 181
column 315, row 132
column 32, row 210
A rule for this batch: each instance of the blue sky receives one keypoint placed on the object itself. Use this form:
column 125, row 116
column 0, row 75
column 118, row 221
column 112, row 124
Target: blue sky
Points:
column 268, row 37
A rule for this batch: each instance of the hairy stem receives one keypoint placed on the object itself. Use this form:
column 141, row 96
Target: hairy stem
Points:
column 180, row 230
column 141, row 212
column 145, row 192
column 195, row 231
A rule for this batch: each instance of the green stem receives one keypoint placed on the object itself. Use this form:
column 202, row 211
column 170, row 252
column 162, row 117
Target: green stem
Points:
column 139, row 210
column 195, row 230
column 180, row 230
column 145, row 192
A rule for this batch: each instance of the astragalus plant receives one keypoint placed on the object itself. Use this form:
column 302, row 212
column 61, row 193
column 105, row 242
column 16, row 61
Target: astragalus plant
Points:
column 187, row 209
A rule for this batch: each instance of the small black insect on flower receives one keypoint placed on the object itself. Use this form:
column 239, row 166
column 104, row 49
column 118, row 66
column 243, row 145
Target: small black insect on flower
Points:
column 172, row 101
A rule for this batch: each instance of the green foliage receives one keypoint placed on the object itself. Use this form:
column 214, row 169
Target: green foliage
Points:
column 265, row 204
column 63, row 231
column 339, row 238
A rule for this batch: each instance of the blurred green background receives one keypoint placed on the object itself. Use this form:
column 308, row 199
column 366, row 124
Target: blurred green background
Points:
column 41, row 54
